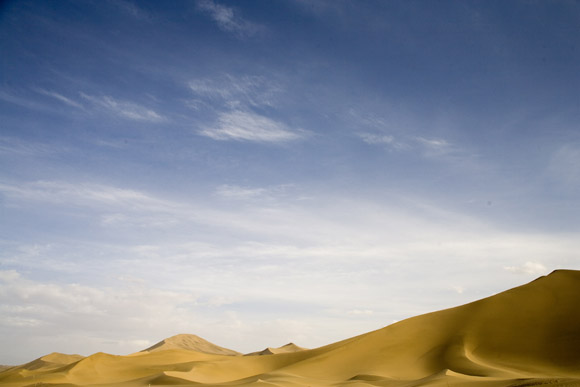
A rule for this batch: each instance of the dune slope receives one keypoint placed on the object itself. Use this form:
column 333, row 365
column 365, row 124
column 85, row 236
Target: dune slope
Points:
column 526, row 336
column 529, row 331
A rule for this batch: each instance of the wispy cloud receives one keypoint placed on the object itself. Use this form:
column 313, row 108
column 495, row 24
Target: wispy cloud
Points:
column 70, row 310
column 427, row 147
column 86, row 195
column 246, row 126
column 389, row 130
column 312, row 228
column 22, row 101
column 125, row 109
column 236, row 192
column 103, row 205
column 235, row 92
column 433, row 143
column 267, row 249
column 228, row 19
column 401, row 130
column 434, row 146
column 371, row 138
column 59, row 97
column 14, row 146
column 234, row 97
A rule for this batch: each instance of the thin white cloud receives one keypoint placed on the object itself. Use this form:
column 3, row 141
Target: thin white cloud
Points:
column 62, row 311
column 118, row 207
column 237, row 192
column 59, row 97
column 371, row 138
column 264, row 254
column 444, row 150
column 209, row 88
column 87, row 195
column 23, row 101
column 227, row 19
column 326, row 227
column 367, row 119
column 433, row 143
column 435, row 147
column 235, row 92
column 125, row 109
column 396, row 129
column 229, row 191
column 17, row 147
column 247, row 126
column 80, row 299
column 531, row 268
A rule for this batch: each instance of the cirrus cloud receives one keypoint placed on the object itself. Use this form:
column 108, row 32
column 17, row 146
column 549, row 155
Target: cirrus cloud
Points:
column 246, row 126
column 125, row 109
column 227, row 19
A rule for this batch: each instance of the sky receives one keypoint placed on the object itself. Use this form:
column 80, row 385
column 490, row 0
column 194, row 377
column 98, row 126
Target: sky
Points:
column 260, row 172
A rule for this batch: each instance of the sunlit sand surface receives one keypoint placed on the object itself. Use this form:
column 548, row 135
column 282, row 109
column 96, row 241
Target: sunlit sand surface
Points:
column 526, row 336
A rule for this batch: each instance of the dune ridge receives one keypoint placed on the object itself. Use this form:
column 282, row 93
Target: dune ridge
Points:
column 287, row 348
column 192, row 343
column 525, row 336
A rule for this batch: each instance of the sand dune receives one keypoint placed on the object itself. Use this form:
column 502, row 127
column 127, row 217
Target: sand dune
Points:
column 191, row 343
column 288, row 348
column 48, row 362
column 526, row 336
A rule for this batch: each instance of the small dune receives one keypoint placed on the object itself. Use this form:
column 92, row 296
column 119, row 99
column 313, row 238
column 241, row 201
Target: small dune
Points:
column 287, row 348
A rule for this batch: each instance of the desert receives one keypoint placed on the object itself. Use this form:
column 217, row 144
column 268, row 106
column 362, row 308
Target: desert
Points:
column 525, row 336
column 289, row 193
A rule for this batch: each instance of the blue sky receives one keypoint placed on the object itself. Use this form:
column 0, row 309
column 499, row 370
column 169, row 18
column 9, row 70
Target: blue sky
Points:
column 272, row 171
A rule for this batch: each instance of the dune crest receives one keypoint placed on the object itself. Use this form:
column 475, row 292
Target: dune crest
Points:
column 287, row 348
column 526, row 336
column 190, row 343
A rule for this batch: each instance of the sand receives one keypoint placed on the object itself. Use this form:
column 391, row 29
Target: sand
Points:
column 526, row 336
column 288, row 348
column 192, row 343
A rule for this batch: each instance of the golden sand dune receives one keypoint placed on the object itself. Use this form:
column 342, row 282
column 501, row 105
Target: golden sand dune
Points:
column 526, row 336
column 192, row 343
column 290, row 347
column 50, row 361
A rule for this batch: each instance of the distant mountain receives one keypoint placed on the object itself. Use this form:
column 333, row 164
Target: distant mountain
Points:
column 288, row 348
column 526, row 336
column 190, row 343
